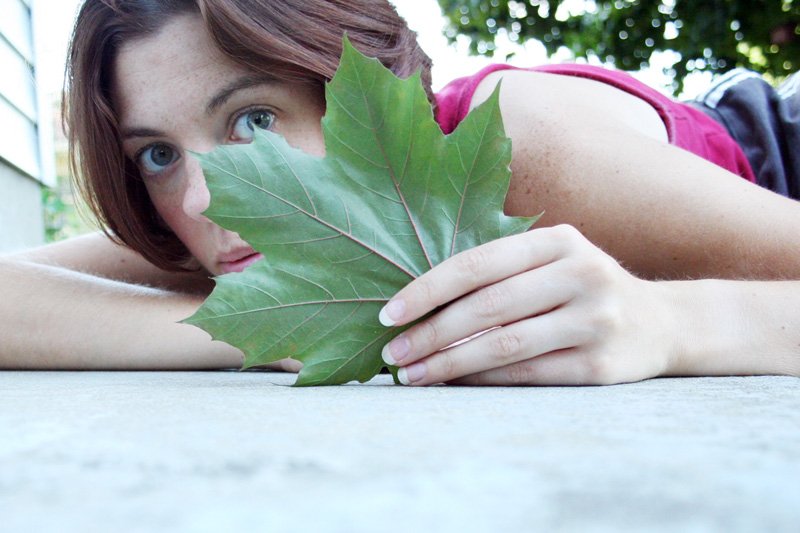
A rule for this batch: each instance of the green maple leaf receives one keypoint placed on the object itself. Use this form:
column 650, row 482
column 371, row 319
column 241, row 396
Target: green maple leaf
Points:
column 392, row 198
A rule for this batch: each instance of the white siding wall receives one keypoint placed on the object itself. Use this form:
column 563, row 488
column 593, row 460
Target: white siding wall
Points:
column 22, row 169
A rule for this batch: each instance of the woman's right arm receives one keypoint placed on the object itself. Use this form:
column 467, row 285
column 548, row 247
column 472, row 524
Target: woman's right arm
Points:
column 88, row 303
column 551, row 308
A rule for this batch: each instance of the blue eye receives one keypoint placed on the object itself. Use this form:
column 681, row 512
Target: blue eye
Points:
column 156, row 157
column 246, row 124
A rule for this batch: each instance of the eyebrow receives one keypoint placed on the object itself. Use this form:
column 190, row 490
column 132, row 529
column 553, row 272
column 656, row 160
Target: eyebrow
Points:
column 217, row 101
column 140, row 132
column 245, row 82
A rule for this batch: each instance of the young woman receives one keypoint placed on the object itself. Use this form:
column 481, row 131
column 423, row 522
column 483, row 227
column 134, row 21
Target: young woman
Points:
column 623, row 175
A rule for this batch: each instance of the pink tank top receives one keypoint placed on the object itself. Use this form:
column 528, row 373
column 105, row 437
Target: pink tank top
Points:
column 687, row 128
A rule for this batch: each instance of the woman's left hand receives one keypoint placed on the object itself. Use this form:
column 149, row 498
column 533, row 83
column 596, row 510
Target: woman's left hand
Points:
column 546, row 307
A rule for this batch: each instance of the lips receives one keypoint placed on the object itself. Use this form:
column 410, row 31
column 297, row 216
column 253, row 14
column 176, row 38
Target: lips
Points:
column 238, row 260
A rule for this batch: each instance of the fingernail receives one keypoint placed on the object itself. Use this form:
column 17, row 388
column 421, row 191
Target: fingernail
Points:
column 396, row 351
column 392, row 312
column 412, row 373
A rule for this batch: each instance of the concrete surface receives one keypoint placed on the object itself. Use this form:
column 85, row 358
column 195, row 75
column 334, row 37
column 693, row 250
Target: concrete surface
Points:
column 230, row 451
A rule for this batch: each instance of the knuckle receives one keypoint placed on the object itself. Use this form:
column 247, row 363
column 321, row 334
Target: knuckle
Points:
column 426, row 289
column 447, row 365
column 595, row 323
column 472, row 263
column 596, row 327
column 567, row 234
column 599, row 369
column 605, row 321
column 506, row 347
column 602, row 267
column 520, row 374
column 594, row 271
column 429, row 333
column 488, row 302
column 567, row 231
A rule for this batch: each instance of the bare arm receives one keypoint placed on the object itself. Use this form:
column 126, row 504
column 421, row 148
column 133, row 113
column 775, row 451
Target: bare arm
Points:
column 587, row 156
column 734, row 327
column 570, row 315
column 54, row 318
column 88, row 303
column 97, row 255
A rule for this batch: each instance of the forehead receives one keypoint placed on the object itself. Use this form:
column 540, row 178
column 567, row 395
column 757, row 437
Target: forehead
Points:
column 176, row 69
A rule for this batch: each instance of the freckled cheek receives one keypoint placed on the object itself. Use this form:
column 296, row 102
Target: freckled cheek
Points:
column 316, row 148
column 308, row 140
column 168, row 203
column 302, row 129
column 191, row 232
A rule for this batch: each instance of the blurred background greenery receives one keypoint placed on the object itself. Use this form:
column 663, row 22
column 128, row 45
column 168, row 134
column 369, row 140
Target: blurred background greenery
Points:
column 708, row 35
column 65, row 214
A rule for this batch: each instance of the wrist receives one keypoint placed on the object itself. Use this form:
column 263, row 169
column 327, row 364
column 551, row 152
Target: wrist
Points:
column 697, row 337
column 725, row 327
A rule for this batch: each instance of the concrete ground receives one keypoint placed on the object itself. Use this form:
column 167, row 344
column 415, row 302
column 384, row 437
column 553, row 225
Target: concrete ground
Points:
column 231, row 451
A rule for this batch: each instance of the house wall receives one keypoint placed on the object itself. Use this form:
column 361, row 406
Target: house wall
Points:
column 23, row 170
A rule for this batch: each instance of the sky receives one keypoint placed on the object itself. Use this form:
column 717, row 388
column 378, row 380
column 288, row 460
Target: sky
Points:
column 52, row 26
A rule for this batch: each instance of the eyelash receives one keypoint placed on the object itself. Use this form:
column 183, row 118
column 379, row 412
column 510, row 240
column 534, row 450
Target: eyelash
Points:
column 139, row 159
column 230, row 139
column 246, row 112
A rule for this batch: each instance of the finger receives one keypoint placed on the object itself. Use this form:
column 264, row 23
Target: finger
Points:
column 291, row 365
column 284, row 365
column 498, row 348
column 528, row 294
column 475, row 268
column 564, row 367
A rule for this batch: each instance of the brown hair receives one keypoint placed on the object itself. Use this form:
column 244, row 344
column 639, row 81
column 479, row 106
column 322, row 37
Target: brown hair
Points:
column 294, row 40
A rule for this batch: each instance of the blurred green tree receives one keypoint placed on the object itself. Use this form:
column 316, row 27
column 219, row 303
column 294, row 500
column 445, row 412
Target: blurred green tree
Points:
column 709, row 35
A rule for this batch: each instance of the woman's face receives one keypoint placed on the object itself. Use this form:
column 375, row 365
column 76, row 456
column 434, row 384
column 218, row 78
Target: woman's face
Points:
column 175, row 93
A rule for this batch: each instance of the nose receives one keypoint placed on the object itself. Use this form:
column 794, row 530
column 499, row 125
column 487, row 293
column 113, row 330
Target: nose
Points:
column 196, row 196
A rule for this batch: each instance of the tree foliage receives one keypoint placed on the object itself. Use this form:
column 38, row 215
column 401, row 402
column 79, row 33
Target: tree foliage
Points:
column 712, row 35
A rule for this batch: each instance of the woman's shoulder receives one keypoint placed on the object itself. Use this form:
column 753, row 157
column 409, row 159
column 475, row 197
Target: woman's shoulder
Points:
column 560, row 95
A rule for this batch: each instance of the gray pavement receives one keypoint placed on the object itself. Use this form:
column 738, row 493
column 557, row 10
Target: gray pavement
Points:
column 241, row 451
